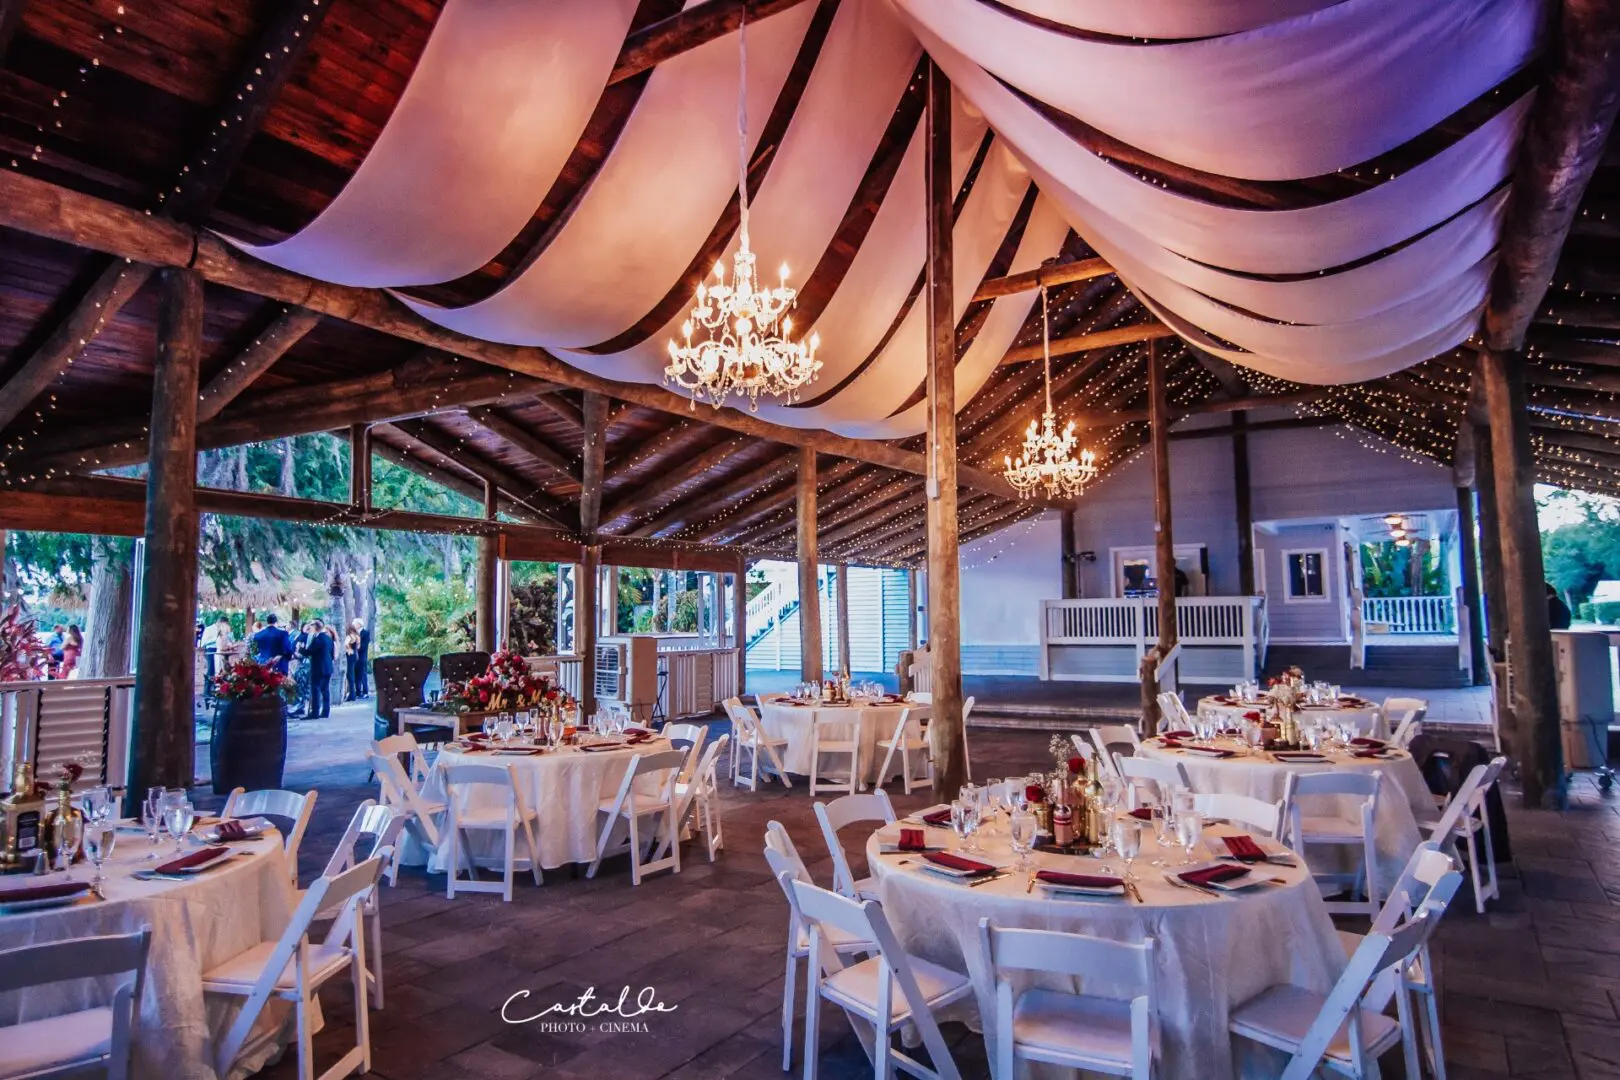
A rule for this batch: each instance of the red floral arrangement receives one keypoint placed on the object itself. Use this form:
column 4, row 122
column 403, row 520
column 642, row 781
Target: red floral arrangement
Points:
column 71, row 771
column 21, row 652
column 1034, row 793
column 1077, row 765
column 248, row 679
column 507, row 684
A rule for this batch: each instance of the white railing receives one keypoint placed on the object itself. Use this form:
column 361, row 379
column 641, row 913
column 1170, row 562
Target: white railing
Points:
column 49, row 723
column 763, row 608
column 1410, row 614
column 1224, row 638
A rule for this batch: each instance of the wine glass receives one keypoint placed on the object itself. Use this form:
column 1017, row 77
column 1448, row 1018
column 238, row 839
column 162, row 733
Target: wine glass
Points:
column 1164, row 831
column 986, row 803
column 69, row 831
column 1022, row 827
column 97, row 803
column 152, row 818
column 488, row 726
column 1127, row 840
column 993, row 789
column 179, row 815
column 959, row 821
column 99, row 840
column 1012, row 794
column 1189, row 831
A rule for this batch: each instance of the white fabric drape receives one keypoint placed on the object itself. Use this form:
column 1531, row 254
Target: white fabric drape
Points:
column 497, row 102
column 1169, row 19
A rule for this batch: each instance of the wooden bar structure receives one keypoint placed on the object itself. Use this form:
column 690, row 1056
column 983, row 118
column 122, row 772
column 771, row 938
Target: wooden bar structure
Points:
column 1243, row 502
column 843, row 618
column 484, row 598
column 809, row 570
column 1164, row 547
column 739, row 620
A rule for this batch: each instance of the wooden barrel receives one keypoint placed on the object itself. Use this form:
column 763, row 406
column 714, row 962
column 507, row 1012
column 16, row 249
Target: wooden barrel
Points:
column 249, row 745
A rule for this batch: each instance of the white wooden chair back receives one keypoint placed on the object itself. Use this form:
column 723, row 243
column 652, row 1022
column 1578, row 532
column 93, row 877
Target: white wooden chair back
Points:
column 1403, row 716
column 1138, row 772
column 1427, row 867
column 405, row 746
column 399, row 793
column 1108, row 736
column 1245, row 810
column 371, row 818
column 1172, row 712
column 99, row 957
column 868, row 806
column 690, row 738
column 1462, row 802
column 920, row 697
column 700, row 781
column 290, row 805
column 1086, row 748
column 1076, row 955
column 1363, row 783
column 655, row 796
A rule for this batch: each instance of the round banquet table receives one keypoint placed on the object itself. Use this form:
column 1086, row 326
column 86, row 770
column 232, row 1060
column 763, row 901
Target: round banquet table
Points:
column 783, row 719
column 565, row 786
column 1212, row 952
column 197, row 924
column 1403, row 800
column 1368, row 717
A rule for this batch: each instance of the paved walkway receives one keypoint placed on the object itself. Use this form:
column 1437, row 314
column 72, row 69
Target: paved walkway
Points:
column 1531, row 989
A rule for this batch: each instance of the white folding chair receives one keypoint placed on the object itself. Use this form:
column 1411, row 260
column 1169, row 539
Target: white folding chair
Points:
column 1116, row 1036
column 87, row 1042
column 749, row 738
column 1084, row 747
column 504, row 811
column 1336, row 1029
column 906, row 740
column 784, row 860
column 290, row 968
column 1427, row 867
column 967, row 756
column 382, row 824
column 1403, row 718
column 838, row 733
column 1172, row 713
column 699, row 798
column 888, row 990
column 1245, row 810
column 422, row 816
column 1338, row 829
column 1464, row 822
column 872, row 806
column 290, row 805
column 412, row 757
column 1137, row 772
column 1108, row 737
column 655, row 800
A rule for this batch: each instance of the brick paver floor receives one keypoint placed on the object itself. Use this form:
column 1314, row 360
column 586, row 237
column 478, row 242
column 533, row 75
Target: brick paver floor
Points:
column 1530, row 989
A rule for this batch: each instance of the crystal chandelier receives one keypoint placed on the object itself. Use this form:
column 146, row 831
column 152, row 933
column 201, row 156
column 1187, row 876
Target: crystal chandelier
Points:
column 1048, row 459
column 744, row 344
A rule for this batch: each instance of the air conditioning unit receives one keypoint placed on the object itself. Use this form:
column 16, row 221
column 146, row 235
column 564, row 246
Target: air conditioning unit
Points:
column 610, row 671
column 627, row 673
column 1585, row 696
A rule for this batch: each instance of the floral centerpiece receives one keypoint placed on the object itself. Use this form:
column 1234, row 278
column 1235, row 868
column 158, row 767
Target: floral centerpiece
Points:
column 247, row 679
column 1287, row 691
column 508, row 684
column 21, row 651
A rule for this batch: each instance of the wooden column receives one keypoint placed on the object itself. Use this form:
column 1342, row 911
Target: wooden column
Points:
column 360, row 467
column 843, row 618
column 1242, row 497
column 1164, row 538
column 1465, row 468
column 162, row 743
column 1071, row 567
column 809, row 577
column 945, row 730
column 586, row 619
column 1535, row 683
column 1490, row 545
column 593, row 455
column 911, row 609
column 739, row 619
column 484, row 584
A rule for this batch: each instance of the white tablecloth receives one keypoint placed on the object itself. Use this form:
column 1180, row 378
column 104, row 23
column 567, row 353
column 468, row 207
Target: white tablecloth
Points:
column 796, row 724
column 196, row 925
column 565, row 786
column 1403, row 799
column 1212, row 952
column 1369, row 719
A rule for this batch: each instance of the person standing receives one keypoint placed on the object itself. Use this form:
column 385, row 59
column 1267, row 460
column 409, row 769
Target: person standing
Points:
column 362, row 662
column 318, row 658
column 216, row 643
column 351, row 664
column 72, row 647
column 273, row 645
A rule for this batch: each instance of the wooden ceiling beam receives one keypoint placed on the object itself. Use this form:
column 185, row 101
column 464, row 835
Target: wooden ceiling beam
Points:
column 1605, row 381
column 1049, row 275
column 517, row 487
column 1563, row 142
column 697, row 25
column 563, row 407
column 1562, row 310
column 593, row 455
column 841, row 502
column 1099, row 339
column 870, row 515
column 680, row 438
column 1573, row 350
column 445, row 478
column 658, row 487
column 285, row 330
column 10, row 20
column 696, row 509
column 531, row 442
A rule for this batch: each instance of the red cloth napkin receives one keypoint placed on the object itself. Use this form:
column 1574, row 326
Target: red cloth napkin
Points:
column 953, row 861
column 633, row 731
column 1372, row 744
column 938, row 817
column 1244, row 849
column 1226, row 701
column 1252, row 714
column 231, row 830
column 1084, row 881
column 1176, row 735
column 186, row 862
column 475, row 736
column 1142, row 813
column 912, row 840
column 1171, row 744
column 1211, row 874
column 43, row 892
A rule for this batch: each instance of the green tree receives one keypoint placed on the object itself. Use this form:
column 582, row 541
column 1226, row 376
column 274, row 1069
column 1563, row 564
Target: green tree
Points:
column 426, row 617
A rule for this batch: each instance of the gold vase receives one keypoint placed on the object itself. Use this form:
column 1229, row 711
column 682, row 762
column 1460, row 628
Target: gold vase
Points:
column 63, row 817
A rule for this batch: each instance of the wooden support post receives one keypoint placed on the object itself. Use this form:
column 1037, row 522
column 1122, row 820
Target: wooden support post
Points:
column 1164, row 539
column 586, row 619
column 911, row 609
column 945, row 730
column 488, row 556
column 809, row 571
column 360, row 467
column 594, row 459
column 1490, row 545
column 1537, row 739
column 739, row 621
column 162, row 744
column 1070, row 587
column 1465, row 468
column 843, row 618
column 1242, row 493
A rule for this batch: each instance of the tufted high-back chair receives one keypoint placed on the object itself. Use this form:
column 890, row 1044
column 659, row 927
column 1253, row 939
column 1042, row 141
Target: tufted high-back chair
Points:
column 461, row 666
column 399, row 680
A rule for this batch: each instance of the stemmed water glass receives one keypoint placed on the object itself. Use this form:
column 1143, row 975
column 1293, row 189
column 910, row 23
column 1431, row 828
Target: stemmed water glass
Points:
column 69, row 831
column 960, row 825
column 152, row 818
column 101, row 836
column 1126, row 836
column 178, row 816
column 1189, row 831
column 1012, row 794
column 968, row 795
column 1164, row 831
column 1022, row 827
column 992, row 796
column 97, row 803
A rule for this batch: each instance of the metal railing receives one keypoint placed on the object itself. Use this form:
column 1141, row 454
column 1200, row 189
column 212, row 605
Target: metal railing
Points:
column 1410, row 614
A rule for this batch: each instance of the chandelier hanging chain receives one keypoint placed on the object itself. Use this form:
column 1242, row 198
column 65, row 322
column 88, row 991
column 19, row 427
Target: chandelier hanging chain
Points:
column 1048, row 459
column 738, row 336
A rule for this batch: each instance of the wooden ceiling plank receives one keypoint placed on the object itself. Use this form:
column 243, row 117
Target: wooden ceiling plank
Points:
column 699, row 508
column 1100, row 339
column 527, row 440
column 697, row 25
column 521, row 490
column 658, row 487
column 1050, row 276
column 286, row 330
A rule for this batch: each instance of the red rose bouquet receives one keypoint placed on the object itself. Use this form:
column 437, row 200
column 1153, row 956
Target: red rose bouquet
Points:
column 507, row 684
column 247, row 679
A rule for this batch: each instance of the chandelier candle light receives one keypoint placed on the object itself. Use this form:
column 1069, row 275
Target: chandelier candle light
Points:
column 1048, row 459
column 746, row 347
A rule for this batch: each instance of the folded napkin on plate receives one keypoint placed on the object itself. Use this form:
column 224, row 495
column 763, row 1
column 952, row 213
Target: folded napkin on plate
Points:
column 1143, row 813
column 475, row 736
column 234, row 829
column 1298, row 755
column 962, row 864
column 1371, row 744
column 187, row 862
column 521, row 751
column 1380, row 752
column 1175, row 734
column 1226, row 701
column 938, row 817
column 912, row 840
column 1209, row 875
column 597, row 747
column 632, row 731
column 1079, row 881
column 43, row 892
column 1244, row 849
column 1210, row 751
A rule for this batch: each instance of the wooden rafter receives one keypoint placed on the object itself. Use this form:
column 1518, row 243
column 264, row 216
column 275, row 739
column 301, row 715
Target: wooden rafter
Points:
column 697, row 25
column 1051, row 276
column 705, row 505
column 285, row 330
column 525, row 439
column 655, row 490
column 521, row 490
column 1100, row 339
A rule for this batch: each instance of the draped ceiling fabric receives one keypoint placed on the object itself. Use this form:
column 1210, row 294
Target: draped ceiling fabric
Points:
column 1341, row 290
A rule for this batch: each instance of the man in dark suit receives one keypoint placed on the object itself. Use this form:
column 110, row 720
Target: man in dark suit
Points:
column 318, row 655
column 363, row 658
column 272, row 645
